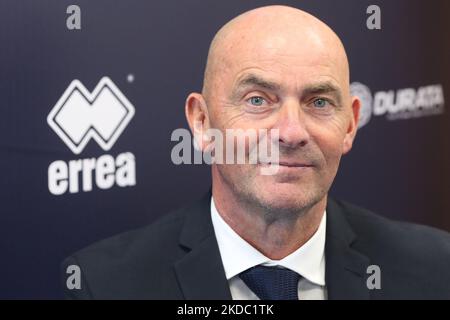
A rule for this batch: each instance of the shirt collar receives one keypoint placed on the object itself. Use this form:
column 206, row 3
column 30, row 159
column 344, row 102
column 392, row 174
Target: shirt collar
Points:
column 238, row 255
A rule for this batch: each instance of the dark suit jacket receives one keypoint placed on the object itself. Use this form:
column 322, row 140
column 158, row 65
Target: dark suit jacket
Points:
column 178, row 257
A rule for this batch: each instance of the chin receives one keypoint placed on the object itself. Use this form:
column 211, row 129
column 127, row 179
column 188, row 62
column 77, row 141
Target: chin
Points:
column 286, row 198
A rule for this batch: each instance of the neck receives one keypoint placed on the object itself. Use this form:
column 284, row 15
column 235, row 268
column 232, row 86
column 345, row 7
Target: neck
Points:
column 274, row 236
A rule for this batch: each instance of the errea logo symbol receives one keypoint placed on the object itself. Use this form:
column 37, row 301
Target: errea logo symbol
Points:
column 78, row 117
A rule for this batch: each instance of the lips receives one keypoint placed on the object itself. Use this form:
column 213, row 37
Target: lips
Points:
column 290, row 164
column 294, row 164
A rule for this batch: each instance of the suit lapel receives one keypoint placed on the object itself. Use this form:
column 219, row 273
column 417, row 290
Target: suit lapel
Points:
column 200, row 272
column 345, row 267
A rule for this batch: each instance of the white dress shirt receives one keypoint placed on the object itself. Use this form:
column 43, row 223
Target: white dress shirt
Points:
column 238, row 255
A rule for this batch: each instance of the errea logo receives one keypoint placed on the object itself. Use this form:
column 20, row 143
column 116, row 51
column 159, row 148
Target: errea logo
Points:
column 79, row 116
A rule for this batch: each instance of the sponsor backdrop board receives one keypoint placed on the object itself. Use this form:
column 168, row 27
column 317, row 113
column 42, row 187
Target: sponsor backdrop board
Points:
column 87, row 118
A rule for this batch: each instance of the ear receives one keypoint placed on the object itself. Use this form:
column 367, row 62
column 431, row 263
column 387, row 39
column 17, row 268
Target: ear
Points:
column 198, row 119
column 353, row 125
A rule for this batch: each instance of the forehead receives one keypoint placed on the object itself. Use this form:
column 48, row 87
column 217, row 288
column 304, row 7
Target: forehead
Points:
column 286, row 60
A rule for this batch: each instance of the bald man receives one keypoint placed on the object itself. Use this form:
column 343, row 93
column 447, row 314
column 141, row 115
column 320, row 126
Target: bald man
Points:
column 271, row 236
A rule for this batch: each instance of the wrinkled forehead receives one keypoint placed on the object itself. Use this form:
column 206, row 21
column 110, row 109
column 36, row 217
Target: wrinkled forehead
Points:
column 289, row 54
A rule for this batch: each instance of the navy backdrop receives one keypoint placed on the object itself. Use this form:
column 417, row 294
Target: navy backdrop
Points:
column 153, row 52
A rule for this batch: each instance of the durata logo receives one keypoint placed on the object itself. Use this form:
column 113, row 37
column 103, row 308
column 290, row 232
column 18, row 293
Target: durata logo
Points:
column 80, row 115
column 399, row 104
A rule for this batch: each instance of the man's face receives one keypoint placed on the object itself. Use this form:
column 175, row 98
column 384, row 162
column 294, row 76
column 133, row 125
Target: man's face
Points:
column 303, row 92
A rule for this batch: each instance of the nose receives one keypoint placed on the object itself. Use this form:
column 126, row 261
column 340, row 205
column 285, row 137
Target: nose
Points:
column 291, row 125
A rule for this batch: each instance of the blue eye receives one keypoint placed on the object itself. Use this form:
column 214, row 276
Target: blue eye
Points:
column 320, row 103
column 256, row 101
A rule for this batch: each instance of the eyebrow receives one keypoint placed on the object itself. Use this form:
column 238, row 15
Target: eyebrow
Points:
column 323, row 88
column 254, row 80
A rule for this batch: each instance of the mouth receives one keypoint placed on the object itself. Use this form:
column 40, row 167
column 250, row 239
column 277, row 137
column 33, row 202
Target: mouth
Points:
column 288, row 164
column 287, row 170
column 295, row 164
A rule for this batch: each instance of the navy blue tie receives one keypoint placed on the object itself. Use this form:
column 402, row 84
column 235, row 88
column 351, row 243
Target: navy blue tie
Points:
column 272, row 283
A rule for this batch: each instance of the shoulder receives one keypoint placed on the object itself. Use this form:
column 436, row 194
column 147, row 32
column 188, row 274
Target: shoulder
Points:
column 123, row 261
column 413, row 258
column 372, row 227
column 159, row 234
